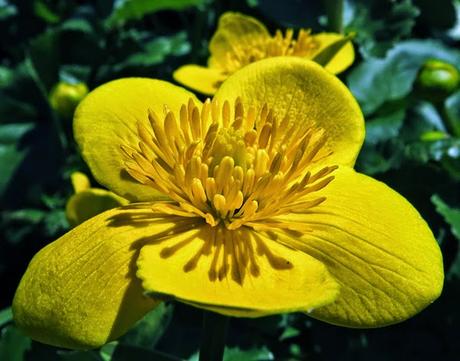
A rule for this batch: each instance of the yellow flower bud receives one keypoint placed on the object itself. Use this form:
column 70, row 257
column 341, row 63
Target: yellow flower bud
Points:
column 64, row 97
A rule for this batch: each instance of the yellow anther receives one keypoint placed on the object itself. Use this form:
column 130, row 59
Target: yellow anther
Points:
column 198, row 190
column 220, row 205
column 227, row 165
column 261, row 162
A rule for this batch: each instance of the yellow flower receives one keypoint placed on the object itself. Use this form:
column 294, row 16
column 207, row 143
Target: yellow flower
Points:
column 241, row 40
column 264, row 213
column 87, row 201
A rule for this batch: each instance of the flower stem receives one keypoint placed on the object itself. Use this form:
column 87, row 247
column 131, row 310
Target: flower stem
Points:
column 213, row 336
column 334, row 11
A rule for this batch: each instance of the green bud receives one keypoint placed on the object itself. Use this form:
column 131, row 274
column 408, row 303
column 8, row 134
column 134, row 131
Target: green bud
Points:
column 436, row 80
column 433, row 135
column 64, row 97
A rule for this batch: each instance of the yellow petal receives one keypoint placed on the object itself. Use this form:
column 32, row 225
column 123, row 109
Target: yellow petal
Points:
column 81, row 290
column 79, row 181
column 235, row 30
column 377, row 246
column 107, row 118
column 90, row 202
column 199, row 78
column 305, row 92
column 259, row 277
column 343, row 59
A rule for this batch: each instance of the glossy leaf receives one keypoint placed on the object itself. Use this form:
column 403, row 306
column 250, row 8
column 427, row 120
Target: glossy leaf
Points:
column 450, row 215
column 452, row 109
column 13, row 344
column 377, row 81
column 379, row 25
column 11, row 154
column 126, row 10
column 149, row 329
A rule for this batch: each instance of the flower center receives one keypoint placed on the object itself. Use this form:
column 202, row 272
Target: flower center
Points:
column 230, row 166
column 229, row 143
column 260, row 48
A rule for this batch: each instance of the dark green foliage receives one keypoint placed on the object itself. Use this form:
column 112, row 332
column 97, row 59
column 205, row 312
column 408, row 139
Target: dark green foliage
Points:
column 412, row 144
column 380, row 24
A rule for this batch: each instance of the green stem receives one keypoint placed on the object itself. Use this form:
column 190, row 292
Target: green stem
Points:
column 334, row 11
column 213, row 336
column 450, row 127
column 44, row 92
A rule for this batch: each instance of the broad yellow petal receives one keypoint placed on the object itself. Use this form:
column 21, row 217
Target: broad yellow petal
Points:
column 343, row 59
column 90, row 202
column 235, row 30
column 236, row 273
column 80, row 181
column 199, row 78
column 107, row 118
column 306, row 93
column 81, row 290
column 377, row 246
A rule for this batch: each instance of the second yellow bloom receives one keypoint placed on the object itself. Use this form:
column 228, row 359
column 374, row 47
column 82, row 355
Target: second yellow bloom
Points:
column 241, row 40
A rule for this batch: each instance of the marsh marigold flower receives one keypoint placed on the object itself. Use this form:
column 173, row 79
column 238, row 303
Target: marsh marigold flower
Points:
column 241, row 40
column 264, row 215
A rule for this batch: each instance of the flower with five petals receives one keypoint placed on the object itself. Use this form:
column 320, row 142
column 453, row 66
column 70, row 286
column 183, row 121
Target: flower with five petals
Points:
column 245, row 205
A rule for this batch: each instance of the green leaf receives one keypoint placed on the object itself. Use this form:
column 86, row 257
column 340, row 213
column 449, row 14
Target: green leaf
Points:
column 452, row 110
column 126, row 10
column 237, row 354
column 17, row 104
column 33, row 216
column 428, row 115
column 6, row 316
column 43, row 57
column 106, row 351
column 13, row 344
column 11, row 153
column 156, row 51
column 381, row 158
column 380, row 24
column 149, row 329
column 44, row 12
column 55, row 223
column 385, row 124
column 80, row 25
column 450, row 215
column 289, row 332
column 6, row 76
column 454, row 32
column 438, row 150
column 254, row 354
column 377, row 81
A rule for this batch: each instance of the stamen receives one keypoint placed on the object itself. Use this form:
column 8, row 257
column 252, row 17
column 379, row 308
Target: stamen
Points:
column 278, row 45
column 234, row 171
